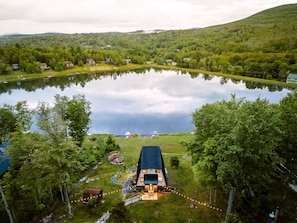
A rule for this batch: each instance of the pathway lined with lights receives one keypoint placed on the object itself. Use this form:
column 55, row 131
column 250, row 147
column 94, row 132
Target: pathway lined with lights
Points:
column 133, row 188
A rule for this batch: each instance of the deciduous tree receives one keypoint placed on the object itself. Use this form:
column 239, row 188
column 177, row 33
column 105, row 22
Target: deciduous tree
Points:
column 78, row 117
column 7, row 123
column 234, row 144
column 14, row 118
column 287, row 149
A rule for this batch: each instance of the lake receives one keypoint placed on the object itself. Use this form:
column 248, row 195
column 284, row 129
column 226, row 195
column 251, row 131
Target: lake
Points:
column 141, row 102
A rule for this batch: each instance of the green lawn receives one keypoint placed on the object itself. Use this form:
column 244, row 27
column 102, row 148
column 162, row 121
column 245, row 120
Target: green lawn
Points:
column 170, row 207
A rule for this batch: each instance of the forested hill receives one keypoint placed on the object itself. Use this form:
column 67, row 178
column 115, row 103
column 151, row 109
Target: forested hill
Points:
column 274, row 28
column 275, row 16
column 263, row 45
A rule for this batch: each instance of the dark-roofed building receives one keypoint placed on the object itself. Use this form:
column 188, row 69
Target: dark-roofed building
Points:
column 92, row 193
column 151, row 173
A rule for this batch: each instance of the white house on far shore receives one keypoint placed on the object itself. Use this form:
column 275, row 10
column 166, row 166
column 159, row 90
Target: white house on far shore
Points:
column 292, row 78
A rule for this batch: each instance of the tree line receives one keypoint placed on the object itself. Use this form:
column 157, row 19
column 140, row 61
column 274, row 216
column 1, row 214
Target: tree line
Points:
column 253, row 64
column 46, row 163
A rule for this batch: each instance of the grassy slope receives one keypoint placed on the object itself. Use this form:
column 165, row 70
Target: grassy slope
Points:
column 270, row 17
column 272, row 24
column 170, row 207
column 279, row 19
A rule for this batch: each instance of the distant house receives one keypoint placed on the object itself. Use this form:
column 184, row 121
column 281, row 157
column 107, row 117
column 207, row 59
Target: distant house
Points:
column 151, row 173
column 292, row 78
column 43, row 67
column 127, row 61
column 92, row 193
column 69, row 64
column 108, row 61
column 90, row 61
column 15, row 66
column 168, row 61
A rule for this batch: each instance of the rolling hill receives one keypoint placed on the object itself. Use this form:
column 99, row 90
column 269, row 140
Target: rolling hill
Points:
column 266, row 27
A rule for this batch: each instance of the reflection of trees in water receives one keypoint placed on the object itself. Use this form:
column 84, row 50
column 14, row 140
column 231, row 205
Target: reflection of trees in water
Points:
column 253, row 85
column 62, row 82
column 256, row 85
column 224, row 80
column 67, row 81
column 208, row 77
column 248, row 84
column 235, row 81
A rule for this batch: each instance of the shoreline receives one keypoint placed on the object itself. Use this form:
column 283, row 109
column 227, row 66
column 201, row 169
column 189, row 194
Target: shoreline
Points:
column 20, row 76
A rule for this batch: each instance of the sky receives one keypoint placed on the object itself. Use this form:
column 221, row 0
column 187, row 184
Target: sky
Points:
column 95, row 16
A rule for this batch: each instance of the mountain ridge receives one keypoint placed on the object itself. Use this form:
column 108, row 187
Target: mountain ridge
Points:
column 276, row 16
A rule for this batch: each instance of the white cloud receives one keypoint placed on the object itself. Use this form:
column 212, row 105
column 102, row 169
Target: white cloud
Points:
column 78, row 16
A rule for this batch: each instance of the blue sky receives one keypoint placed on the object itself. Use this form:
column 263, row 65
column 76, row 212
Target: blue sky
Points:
column 93, row 16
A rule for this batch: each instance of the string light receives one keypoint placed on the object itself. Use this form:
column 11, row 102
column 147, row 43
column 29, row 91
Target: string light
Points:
column 134, row 187
column 104, row 194
column 193, row 200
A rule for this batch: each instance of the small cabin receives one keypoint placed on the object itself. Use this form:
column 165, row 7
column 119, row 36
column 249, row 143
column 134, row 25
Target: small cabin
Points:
column 127, row 61
column 44, row 67
column 90, row 62
column 92, row 193
column 116, row 159
column 292, row 79
column 69, row 64
column 15, row 67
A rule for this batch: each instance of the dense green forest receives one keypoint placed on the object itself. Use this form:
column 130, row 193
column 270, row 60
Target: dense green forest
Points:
column 263, row 46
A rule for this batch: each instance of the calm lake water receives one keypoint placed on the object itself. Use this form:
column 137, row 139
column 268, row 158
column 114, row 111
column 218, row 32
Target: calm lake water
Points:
column 143, row 102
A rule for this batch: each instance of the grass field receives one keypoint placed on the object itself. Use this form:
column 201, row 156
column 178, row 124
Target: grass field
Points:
column 170, row 207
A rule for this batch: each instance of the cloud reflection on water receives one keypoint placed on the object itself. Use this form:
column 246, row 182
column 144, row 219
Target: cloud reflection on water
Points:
column 144, row 103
